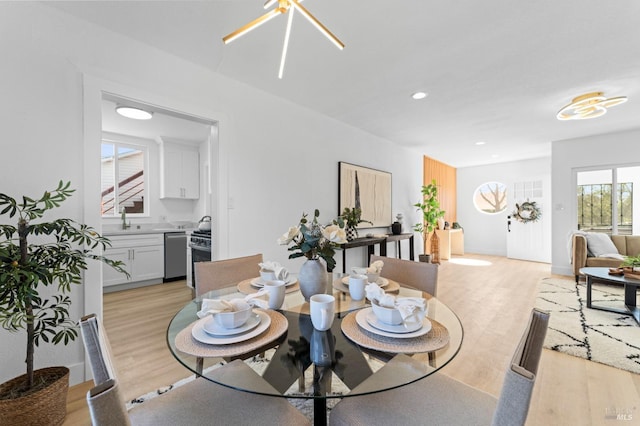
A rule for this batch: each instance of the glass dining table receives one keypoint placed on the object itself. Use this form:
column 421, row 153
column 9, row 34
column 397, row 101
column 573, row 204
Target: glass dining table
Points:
column 300, row 362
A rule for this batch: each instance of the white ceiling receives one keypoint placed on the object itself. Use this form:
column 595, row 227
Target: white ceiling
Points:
column 496, row 71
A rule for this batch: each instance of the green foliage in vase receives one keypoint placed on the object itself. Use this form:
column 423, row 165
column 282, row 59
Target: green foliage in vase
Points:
column 56, row 258
column 312, row 240
column 352, row 217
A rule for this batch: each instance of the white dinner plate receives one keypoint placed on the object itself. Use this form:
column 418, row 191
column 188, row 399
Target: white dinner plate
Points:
column 380, row 281
column 361, row 319
column 259, row 283
column 212, row 327
column 200, row 335
column 373, row 321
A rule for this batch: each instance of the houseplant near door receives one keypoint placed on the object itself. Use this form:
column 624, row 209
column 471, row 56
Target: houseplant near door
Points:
column 430, row 208
column 56, row 260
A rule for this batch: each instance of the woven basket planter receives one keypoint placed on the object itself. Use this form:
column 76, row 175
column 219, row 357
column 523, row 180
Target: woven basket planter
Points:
column 47, row 406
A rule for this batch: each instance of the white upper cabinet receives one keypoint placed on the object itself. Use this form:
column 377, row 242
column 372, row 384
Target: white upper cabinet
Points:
column 179, row 171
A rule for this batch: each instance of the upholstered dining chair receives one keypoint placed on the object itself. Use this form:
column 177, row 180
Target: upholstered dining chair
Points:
column 420, row 275
column 199, row 402
column 440, row 400
column 223, row 273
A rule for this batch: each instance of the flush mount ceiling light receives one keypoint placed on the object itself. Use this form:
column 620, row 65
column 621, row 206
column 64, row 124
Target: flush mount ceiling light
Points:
column 590, row 105
column 283, row 7
column 135, row 113
column 419, row 95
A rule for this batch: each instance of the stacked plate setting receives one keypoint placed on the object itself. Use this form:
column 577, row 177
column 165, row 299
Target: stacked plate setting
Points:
column 368, row 321
column 207, row 330
column 259, row 282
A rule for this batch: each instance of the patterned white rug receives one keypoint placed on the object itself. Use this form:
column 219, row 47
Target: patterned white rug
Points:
column 305, row 406
column 605, row 337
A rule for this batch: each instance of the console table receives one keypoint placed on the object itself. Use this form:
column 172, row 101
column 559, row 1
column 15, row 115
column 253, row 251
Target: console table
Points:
column 397, row 239
column 368, row 242
column 451, row 242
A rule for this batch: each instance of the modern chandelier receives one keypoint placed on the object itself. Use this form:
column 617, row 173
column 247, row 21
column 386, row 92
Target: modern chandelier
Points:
column 590, row 105
column 284, row 6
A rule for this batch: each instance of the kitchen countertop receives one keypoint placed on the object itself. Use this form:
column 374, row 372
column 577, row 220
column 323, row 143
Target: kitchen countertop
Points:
column 135, row 231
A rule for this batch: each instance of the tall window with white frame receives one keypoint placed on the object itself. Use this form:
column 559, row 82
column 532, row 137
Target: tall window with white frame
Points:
column 605, row 201
column 123, row 179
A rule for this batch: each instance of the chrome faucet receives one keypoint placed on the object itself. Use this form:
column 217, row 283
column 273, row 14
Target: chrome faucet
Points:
column 123, row 216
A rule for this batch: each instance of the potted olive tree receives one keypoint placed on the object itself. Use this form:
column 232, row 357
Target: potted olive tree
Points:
column 36, row 254
column 430, row 208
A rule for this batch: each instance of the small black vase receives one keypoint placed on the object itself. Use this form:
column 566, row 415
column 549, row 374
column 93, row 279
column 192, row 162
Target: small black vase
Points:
column 396, row 228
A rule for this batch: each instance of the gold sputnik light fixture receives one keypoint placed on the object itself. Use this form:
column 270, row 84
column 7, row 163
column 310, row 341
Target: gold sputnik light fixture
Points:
column 590, row 105
column 283, row 7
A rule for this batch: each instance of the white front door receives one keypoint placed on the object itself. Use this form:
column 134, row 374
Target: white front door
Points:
column 529, row 239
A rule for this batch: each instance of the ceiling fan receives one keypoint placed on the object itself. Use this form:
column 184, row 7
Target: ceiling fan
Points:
column 282, row 8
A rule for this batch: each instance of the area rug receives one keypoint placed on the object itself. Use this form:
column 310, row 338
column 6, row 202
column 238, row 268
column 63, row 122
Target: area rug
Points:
column 604, row 337
column 305, row 406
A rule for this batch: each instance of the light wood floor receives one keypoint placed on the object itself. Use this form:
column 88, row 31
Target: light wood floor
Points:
column 492, row 297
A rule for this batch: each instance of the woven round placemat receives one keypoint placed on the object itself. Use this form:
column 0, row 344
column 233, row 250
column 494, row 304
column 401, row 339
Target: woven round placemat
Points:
column 435, row 339
column 186, row 343
column 245, row 287
column 389, row 288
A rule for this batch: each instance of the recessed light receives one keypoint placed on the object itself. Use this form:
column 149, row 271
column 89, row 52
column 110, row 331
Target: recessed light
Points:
column 419, row 95
column 480, row 143
column 495, row 156
column 135, row 113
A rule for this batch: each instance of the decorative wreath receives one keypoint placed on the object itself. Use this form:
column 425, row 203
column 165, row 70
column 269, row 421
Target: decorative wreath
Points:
column 527, row 212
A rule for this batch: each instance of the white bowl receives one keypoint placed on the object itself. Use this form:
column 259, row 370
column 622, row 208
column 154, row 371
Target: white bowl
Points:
column 267, row 275
column 372, row 277
column 386, row 315
column 359, row 270
column 235, row 318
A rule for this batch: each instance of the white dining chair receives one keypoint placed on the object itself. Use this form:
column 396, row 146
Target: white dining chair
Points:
column 420, row 275
column 224, row 273
column 440, row 400
column 198, row 402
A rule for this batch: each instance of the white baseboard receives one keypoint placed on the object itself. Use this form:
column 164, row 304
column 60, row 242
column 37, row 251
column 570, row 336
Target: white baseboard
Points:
column 76, row 375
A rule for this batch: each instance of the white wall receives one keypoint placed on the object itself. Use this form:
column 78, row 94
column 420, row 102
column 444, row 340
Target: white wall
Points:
column 484, row 233
column 614, row 149
column 272, row 170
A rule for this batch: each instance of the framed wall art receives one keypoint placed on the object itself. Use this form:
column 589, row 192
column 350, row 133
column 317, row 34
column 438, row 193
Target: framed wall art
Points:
column 368, row 189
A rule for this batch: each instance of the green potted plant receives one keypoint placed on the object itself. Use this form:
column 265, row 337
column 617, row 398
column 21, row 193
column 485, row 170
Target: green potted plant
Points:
column 631, row 263
column 352, row 218
column 33, row 255
column 430, row 208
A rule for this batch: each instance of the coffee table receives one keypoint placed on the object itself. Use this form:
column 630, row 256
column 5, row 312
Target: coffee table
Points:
column 601, row 275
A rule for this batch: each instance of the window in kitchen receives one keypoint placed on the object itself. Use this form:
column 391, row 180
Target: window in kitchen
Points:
column 123, row 179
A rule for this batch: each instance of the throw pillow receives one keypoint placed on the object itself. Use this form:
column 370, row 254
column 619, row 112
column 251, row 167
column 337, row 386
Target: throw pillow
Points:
column 599, row 244
column 613, row 256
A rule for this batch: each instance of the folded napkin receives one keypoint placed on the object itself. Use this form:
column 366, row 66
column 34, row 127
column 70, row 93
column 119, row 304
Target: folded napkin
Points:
column 214, row 306
column 412, row 309
column 280, row 271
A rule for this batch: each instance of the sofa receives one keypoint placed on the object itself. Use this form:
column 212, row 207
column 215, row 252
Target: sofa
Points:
column 601, row 250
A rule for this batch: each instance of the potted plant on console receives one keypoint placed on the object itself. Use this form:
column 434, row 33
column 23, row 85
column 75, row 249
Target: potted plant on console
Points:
column 39, row 262
column 431, row 213
column 352, row 218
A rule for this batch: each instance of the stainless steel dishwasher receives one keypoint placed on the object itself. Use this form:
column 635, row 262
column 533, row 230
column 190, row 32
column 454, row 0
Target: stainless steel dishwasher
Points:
column 175, row 255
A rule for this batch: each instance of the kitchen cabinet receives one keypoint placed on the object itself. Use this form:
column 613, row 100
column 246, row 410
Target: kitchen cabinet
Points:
column 179, row 172
column 142, row 254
